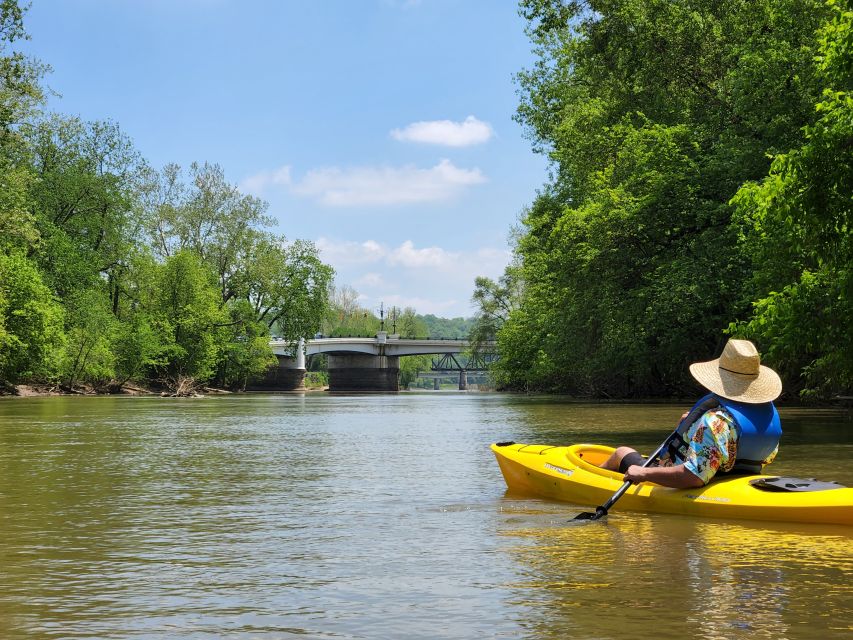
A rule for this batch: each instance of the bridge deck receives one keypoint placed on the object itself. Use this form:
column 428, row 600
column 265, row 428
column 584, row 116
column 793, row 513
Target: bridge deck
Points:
column 376, row 346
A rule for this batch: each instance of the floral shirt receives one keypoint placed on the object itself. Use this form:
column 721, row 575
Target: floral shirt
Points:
column 711, row 444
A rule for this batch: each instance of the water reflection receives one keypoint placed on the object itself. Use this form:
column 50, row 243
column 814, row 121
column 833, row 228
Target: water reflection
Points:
column 375, row 517
column 650, row 577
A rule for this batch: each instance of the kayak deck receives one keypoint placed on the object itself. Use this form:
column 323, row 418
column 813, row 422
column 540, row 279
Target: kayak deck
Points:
column 572, row 474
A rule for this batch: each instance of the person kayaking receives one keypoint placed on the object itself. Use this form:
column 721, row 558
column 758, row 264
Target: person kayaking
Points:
column 735, row 428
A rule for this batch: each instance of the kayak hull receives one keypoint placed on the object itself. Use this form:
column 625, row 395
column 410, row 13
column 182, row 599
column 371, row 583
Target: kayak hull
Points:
column 572, row 474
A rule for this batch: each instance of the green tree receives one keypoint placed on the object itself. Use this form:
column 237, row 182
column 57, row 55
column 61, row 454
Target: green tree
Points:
column 287, row 286
column 31, row 335
column 407, row 322
column 138, row 348
column 247, row 352
column 20, row 93
column 344, row 315
column 210, row 217
column 652, row 114
column 88, row 355
column 86, row 192
column 447, row 327
column 411, row 366
column 798, row 227
column 285, row 283
column 190, row 319
column 17, row 224
column 20, row 76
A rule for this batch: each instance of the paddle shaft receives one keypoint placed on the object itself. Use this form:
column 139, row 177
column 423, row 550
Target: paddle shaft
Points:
column 601, row 511
column 650, row 460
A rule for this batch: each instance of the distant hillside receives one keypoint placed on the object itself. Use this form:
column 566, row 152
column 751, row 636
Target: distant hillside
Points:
column 447, row 327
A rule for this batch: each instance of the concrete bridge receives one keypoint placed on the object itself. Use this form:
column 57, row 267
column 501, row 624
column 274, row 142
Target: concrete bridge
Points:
column 354, row 364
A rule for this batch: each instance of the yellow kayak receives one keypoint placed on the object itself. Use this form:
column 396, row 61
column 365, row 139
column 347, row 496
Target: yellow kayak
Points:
column 572, row 474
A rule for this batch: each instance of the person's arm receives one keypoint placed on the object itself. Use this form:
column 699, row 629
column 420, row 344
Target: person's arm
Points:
column 677, row 477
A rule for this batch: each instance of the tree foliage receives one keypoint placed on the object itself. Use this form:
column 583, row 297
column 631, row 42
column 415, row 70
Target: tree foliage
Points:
column 798, row 226
column 31, row 320
column 653, row 114
column 111, row 271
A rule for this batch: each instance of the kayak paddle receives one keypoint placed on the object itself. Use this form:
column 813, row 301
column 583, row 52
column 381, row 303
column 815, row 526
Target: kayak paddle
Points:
column 601, row 511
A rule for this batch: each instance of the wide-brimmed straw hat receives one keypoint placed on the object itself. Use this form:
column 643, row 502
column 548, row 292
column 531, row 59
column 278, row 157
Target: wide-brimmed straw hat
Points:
column 738, row 374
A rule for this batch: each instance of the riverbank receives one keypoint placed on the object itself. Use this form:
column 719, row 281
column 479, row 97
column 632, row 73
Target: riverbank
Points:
column 33, row 390
column 46, row 390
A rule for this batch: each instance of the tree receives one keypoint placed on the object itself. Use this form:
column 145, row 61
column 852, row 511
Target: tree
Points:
column 20, row 88
column 31, row 335
column 411, row 366
column 17, row 224
column 287, row 286
column 20, row 93
column 138, row 348
column 495, row 301
column 798, row 226
column 247, row 352
column 345, row 317
column 285, row 283
column 190, row 318
column 210, row 217
column 88, row 355
column 88, row 180
column 407, row 321
column 652, row 114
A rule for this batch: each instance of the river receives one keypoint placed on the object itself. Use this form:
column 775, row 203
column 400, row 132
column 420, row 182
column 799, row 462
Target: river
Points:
column 382, row 516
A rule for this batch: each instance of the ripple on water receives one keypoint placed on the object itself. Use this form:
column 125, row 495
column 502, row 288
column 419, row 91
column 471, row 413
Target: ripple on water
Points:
column 366, row 517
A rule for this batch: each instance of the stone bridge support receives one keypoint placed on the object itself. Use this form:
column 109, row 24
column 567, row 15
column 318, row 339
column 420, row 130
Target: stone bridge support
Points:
column 362, row 372
column 288, row 375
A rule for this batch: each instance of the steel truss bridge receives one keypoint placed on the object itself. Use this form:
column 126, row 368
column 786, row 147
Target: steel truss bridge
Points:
column 452, row 365
column 476, row 362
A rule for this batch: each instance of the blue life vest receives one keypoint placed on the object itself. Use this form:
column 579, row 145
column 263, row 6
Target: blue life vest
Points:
column 758, row 428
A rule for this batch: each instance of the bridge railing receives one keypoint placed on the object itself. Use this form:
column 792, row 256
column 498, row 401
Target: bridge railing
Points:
column 460, row 338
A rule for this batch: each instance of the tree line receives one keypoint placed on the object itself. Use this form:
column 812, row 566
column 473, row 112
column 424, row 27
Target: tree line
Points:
column 700, row 188
column 112, row 271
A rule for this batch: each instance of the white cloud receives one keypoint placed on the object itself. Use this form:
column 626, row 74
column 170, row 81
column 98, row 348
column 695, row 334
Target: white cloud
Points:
column 406, row 255
column 371, row 280
column 440, row 308
column 486, row 261
column 446, row 132
column 351, row 253
column 259, row 182
column 430, row 279
column 360, row 186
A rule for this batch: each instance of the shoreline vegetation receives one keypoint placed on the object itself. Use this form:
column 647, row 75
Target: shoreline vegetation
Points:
column 701, row 188
column 47, row 390
column 841, row 404
column 115, row 275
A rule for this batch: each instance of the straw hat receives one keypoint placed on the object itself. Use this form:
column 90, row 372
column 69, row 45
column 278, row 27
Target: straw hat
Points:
column 738, row 374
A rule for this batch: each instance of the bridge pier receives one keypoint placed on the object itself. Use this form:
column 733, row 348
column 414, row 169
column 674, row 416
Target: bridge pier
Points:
column 463, row 380
column 362, row 372
column 287, row 375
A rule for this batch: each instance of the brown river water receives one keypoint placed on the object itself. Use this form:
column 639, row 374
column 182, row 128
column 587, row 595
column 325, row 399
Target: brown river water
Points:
column 383, row 516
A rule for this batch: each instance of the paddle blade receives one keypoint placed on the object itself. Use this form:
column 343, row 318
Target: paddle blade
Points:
column 600, row 512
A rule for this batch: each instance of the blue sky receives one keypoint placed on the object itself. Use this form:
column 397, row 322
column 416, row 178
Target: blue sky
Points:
column 379, row 129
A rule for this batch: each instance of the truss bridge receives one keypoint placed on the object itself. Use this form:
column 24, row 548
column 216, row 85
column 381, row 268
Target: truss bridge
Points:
column 456, row 364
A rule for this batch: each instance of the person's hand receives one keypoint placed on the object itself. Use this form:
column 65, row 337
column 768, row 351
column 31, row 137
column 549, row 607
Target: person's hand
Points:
column 635, row 474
